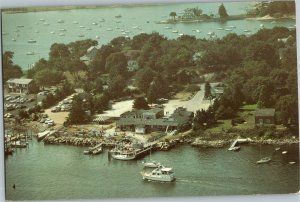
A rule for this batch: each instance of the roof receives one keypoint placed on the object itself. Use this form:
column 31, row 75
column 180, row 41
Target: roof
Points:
column 265, row 112
column 156, row 122
column 19, row 81
column 166, row 169
column 91, row 48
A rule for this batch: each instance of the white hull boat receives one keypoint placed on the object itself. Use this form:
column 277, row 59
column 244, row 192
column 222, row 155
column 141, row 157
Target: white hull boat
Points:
column 160, row 174
column 264, row 160
column 123, row 156
column 151, row 164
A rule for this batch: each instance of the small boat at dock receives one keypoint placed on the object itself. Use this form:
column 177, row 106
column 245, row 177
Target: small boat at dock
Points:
column 97, row 151
column 18, row 144
column 94, row 150
column 124, row 156
column 236, row 148
column 161, row 174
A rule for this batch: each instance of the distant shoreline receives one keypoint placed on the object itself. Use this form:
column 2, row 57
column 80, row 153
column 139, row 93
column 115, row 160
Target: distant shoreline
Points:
column 230, row 18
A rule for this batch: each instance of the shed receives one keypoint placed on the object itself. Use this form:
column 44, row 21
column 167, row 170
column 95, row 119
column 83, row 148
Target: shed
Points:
column 265, row 116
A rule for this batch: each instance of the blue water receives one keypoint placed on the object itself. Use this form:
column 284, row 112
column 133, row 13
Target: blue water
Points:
column 43, row 172
column 132, row 16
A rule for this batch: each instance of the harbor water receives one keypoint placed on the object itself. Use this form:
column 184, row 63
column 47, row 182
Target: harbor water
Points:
column 101, row 24
column 45, row 172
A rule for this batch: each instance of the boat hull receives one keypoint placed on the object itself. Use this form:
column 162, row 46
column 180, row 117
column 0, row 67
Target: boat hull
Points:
column 158, row 178
column 123, row 157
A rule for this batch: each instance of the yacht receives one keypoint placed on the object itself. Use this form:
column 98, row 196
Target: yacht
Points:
column 175, row 31
column 161, row 174
column 122, row 155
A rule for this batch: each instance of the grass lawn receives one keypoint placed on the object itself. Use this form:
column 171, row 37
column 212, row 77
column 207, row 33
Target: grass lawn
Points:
column 246, row 112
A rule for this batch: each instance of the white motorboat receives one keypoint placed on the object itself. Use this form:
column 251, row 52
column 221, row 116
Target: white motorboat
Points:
column 30, row 53
column 125, row 156
column 97, row 151
column 97, row 37
column 284, row 152
column 13, row 39
column 75, row 22
column 109, row 29
column 292, row 162
column 151, row 164
column 161, row 174
column 60, row 21
column 220, row 28
column 175, row 31
column 61, row 34
column 264, row 160
column 31, row 41
column 235, row 148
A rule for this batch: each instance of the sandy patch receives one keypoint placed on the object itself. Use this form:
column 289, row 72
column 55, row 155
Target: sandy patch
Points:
column 58, row 117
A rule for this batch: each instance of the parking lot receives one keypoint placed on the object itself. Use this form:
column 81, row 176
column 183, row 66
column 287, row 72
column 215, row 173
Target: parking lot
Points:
column 13, row 103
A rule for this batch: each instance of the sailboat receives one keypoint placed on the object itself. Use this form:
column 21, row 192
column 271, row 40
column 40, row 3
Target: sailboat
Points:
column 264, row 159
column 151, row 163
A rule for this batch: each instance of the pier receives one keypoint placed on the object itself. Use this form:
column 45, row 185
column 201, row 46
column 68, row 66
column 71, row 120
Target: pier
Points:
column 233, row 146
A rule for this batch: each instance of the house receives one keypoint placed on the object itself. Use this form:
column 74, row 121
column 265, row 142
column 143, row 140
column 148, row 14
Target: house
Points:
column 265, row 116
column 144, row 121
column 132, row 65
column 90, row 54
column 19, row 85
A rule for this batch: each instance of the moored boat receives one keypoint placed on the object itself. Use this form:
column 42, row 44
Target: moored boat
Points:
column 30, row 53
column 161, row 174
column 264, row 160
column 97, row 151
column 31, row 41
column 124, row 156
column 151, row 164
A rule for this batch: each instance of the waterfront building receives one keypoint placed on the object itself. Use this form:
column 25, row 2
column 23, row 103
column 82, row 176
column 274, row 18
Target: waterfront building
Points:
column 144, row 121
column 265, row 116
column 19, row 85
column 90, row 55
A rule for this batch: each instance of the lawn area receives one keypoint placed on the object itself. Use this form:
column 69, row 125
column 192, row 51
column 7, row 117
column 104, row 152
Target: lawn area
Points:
column 221, row 125
column 246, row 112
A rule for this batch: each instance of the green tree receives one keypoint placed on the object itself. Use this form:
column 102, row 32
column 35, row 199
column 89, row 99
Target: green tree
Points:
column 222, row 11
column 207, row 90
column 287, row 108
column 48, row 77
column 144, row 78
column 116, row 64
column 10, row 70
column 173, row 14
column 140, row 103
column 77, row 113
